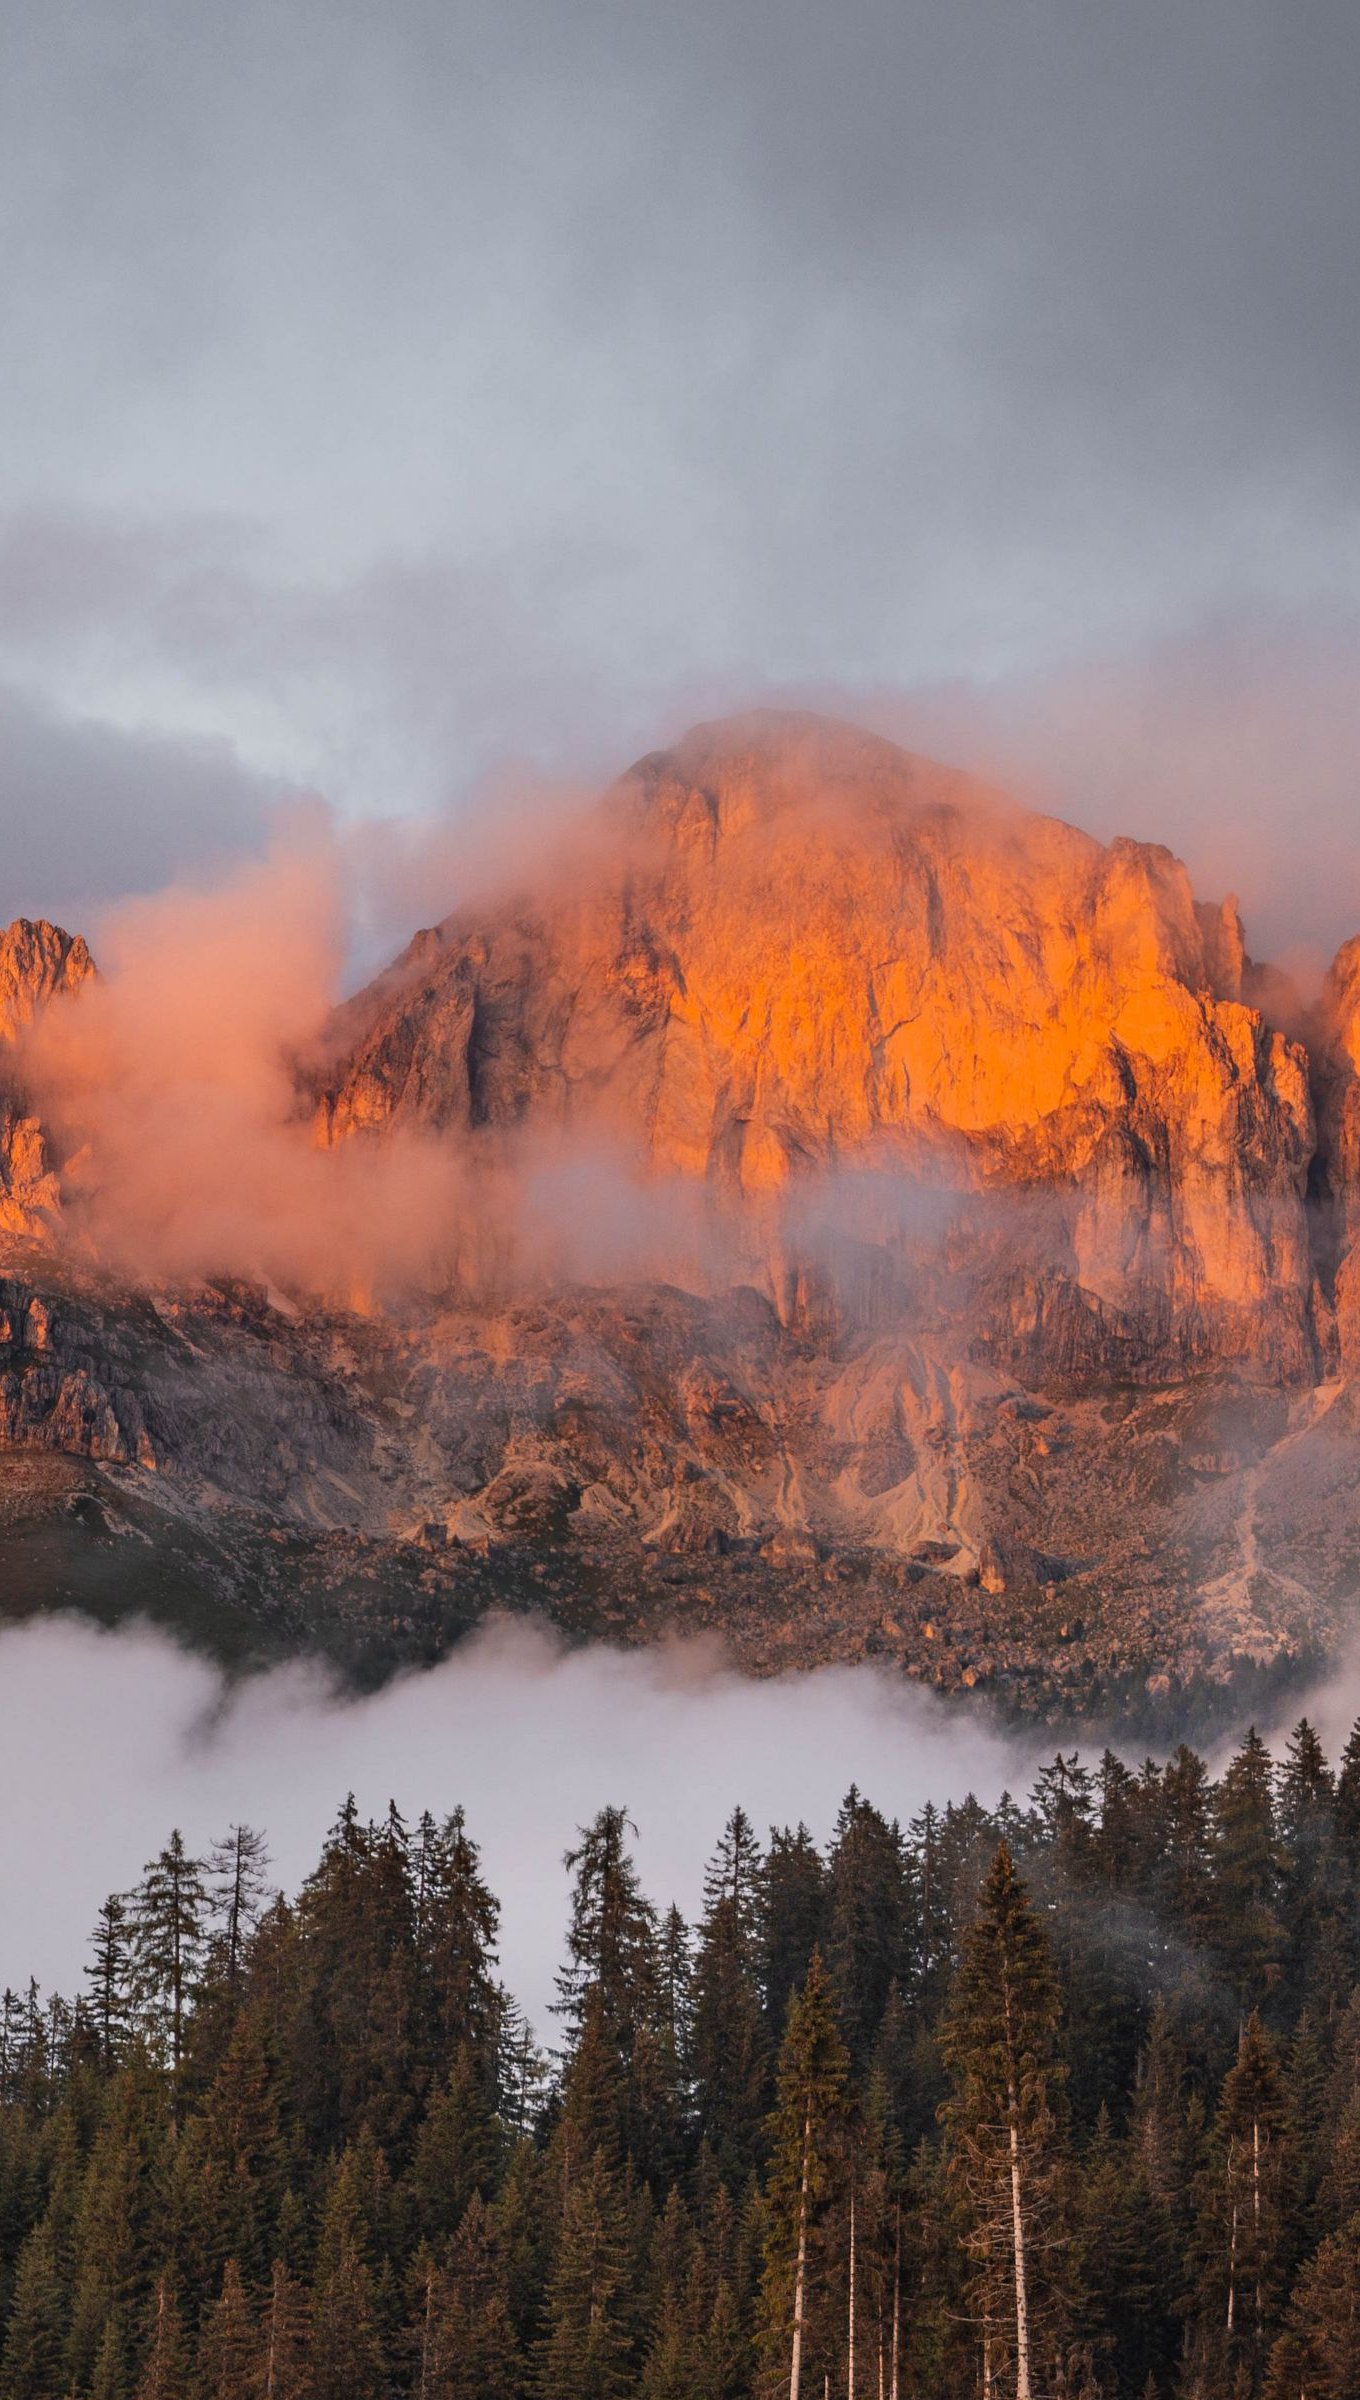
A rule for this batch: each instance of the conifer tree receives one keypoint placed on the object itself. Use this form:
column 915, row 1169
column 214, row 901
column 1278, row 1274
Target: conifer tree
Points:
column 1120, row 1846
column 673, row 2368
column 238, row 1890
column 867, row 1931
column 1062, row 1806
column 585, row 2350
column 240, row 2159
column 108, row 2245
column 793, row 1907
column 1122, row 2260
column 283, row 2371
column 523, row 2209
column 457, row 2151
column 356, row 2026
column 1311, row 1889
column 110, row 2379
column 1182, row 1874
column 1243, row 2223
column 728, row 2037
column 610, row 1989
column 611, row 1939
column 169, row 1917
column 666, row 2076
column 593, row 2115
column 931, row 1906
column 1318, row 2354
column 456, row 1931
column 110, row 1977
column 227, row 2355
column 1306, row 2124
column 346, row 2350
column 735, row 1873
column 165, row 2370
column 521, row 2070
column 1000, row 2047
column 804, row 2138
column 459, row 2337
column 1348, row 1791
column 1248, row 1932
column 32, row 2364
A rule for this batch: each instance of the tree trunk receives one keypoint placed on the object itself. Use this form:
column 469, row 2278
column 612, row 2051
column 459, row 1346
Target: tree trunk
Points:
column 1256, row 2228
column 897, row 2304
column 800, row 2267
column 850, row 2344
column 1022, row 2381
column 425, row 2335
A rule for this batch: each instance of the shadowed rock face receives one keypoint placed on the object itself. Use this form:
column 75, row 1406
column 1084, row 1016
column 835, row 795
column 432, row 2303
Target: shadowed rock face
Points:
column 1017, row 1345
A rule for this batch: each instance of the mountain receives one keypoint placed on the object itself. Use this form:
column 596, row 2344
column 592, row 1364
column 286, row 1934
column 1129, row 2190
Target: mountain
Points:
column 899, row 1222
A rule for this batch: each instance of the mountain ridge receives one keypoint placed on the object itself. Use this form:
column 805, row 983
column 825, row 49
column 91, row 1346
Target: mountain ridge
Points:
column 1015, row 1331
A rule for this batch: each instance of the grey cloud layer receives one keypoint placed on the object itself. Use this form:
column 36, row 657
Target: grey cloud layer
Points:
column 87, row 810
column 390, row 390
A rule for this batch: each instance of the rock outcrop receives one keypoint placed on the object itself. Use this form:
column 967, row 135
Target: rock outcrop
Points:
column 38, row 962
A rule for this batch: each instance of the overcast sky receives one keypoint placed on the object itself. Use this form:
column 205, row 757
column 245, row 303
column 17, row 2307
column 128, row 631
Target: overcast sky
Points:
column 393, row 391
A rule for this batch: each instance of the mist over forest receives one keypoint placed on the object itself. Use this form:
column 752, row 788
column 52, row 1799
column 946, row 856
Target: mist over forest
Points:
column 1060, row 2089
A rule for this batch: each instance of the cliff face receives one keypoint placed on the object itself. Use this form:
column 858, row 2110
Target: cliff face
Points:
column 37, row 962
column 1337, row 1166
column 795, row 951
column 1016, row 1298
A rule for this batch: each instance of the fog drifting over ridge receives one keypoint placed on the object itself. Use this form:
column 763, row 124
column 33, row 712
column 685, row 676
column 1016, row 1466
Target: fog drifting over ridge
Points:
column 107, row 1740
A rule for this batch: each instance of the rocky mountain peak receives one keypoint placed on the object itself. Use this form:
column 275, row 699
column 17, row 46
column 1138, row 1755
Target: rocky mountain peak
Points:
column 37, row 960
column 807, row 953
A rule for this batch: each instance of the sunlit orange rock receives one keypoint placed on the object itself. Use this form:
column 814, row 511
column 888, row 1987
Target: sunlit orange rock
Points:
column 37, row 962
column 789, row 950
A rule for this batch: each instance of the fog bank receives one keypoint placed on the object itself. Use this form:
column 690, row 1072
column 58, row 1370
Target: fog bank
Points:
column 107, row 1740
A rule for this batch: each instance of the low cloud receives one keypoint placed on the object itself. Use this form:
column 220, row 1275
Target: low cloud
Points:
column 170, row 1086
column 1237, row 745
column 108, row 1740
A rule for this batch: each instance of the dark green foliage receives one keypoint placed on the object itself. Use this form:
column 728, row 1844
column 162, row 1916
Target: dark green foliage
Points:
column 312, row 2151
column 169, row 1916
column 794, row 1900
column 165, row 2367
column 585, row 2352
column 35, row 2340
column 807, row 2169
column 1006, row 2120
column 726, row 2022
column 868, row 1920
column 227, row 2354
column 1248, row 1874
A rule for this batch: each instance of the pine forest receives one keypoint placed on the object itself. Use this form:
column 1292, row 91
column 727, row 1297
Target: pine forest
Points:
column 1061, row 2098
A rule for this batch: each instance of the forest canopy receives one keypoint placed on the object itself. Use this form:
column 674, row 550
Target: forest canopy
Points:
column 1057, row 2098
